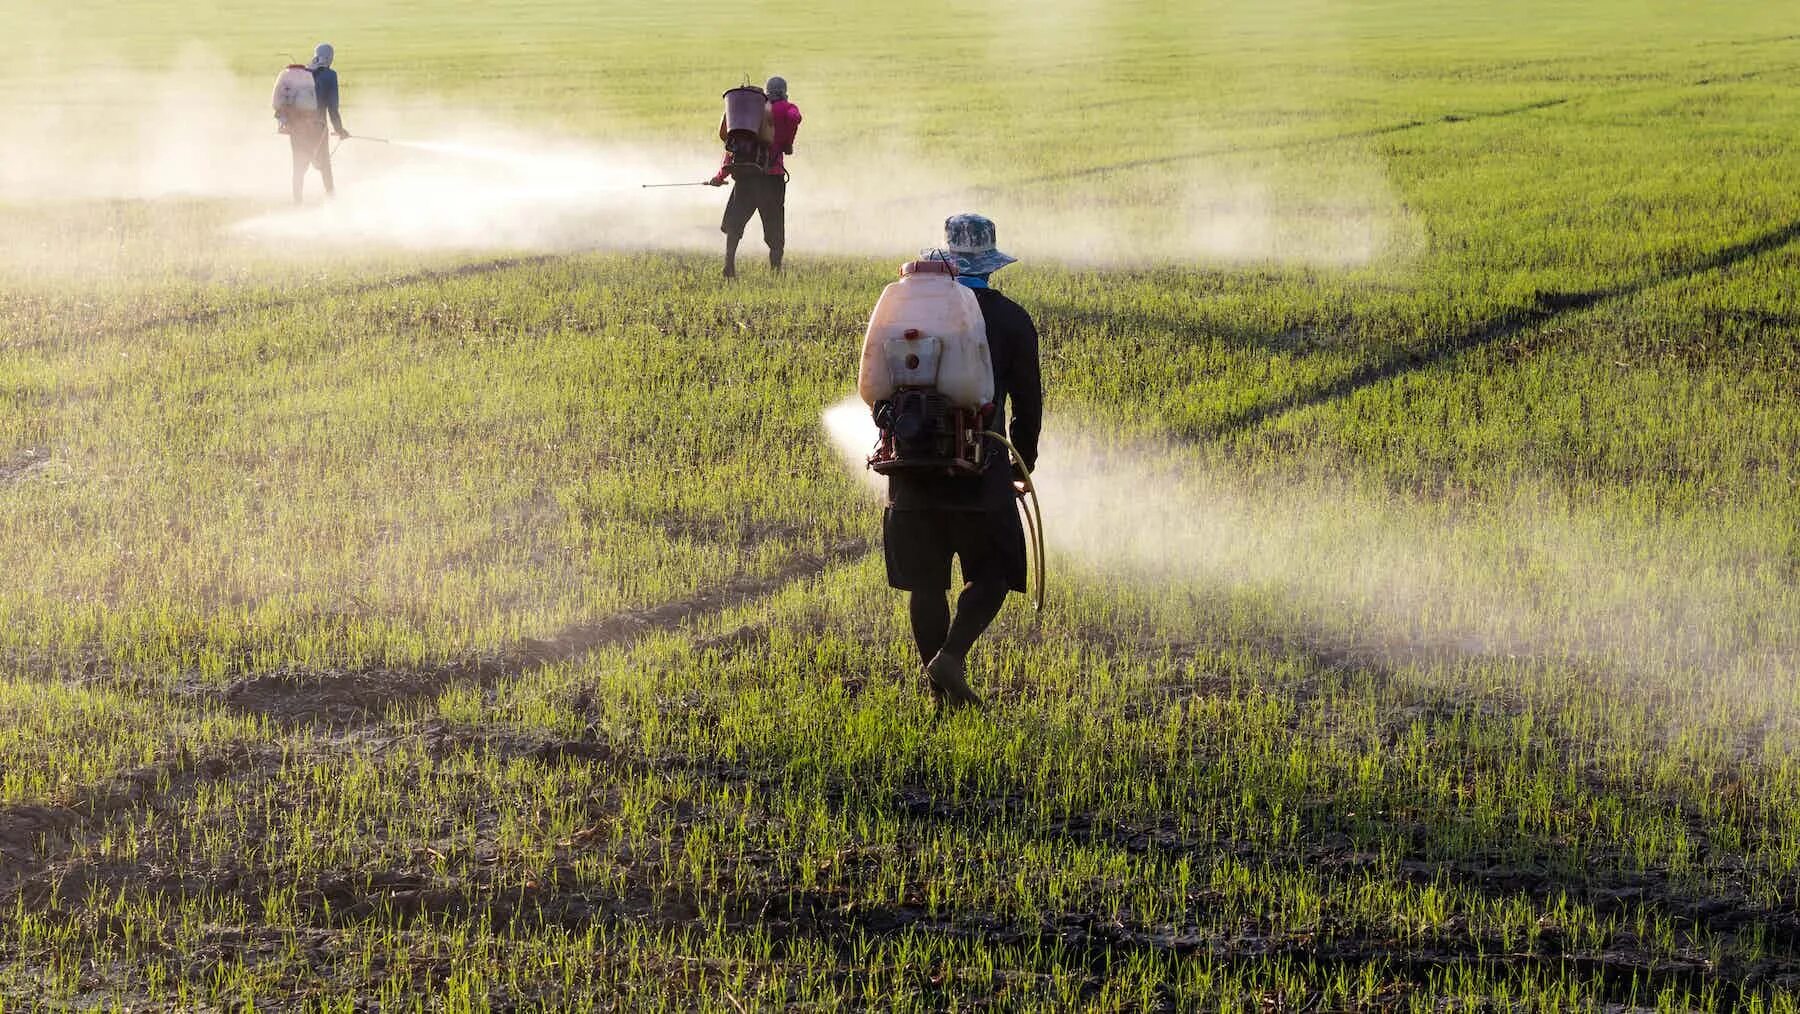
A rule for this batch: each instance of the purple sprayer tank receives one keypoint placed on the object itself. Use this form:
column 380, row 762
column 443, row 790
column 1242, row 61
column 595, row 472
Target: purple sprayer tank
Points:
column 747, row 111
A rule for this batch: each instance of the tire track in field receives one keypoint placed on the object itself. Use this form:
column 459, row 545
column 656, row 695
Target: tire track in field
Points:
column 1289, row 145
column 1550, row 307
column 352, row 290
column 35, row 837
column 303, row 296
column 348, row 698
column 1219, row 151
column 1365, row 134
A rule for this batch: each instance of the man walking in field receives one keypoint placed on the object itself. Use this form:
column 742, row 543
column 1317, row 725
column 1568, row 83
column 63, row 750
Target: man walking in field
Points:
column 931, row 518
column 306, row 128
column 760, row 192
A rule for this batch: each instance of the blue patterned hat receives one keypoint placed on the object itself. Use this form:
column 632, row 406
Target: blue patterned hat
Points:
column 969, row 240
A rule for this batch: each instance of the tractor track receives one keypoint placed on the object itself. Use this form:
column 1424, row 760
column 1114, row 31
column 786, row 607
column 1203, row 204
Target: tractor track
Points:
column 1226, row 150
column 351, row 697
column 33, row 837
column 36, row 837
column 1550, row 307
column 209, row 315
column 1220, row 151
column 1365, row 134
column 473, row 269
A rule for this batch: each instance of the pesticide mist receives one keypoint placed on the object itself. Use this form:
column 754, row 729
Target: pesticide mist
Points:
column 432, row 175
column 1392, row 582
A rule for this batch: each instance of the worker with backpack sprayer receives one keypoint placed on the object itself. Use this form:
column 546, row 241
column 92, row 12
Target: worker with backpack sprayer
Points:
column 943, row 356
column 758, row 129
column 305, row 96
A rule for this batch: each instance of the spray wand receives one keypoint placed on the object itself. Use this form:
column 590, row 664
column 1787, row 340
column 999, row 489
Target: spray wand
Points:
column 357, row 137
column 1034, row 527
column 658, row 186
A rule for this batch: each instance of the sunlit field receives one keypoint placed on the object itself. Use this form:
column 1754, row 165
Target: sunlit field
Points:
column 448, row 598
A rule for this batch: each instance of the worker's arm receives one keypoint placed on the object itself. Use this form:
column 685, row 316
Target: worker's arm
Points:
column 787, row 125
column 328, row 100
column 720, row 177
column 1026, row 391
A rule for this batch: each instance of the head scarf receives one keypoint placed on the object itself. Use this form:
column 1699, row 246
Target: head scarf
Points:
column 322, row 54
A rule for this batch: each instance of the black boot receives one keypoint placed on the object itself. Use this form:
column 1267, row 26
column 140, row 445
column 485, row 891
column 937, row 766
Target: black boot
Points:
column 731, row 243
column 775, row 258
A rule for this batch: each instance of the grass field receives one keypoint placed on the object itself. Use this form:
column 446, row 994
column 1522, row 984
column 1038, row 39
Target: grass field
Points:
column 491, row 624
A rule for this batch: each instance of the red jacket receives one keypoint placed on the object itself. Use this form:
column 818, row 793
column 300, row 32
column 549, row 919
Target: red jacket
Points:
column 786, row 119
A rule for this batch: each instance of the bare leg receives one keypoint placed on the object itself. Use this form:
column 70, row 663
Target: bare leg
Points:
column 930, row 621
column 976, row 607
column 323, row 161
column 302, row 159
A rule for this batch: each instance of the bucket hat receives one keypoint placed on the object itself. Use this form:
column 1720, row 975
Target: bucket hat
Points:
column 969, row 241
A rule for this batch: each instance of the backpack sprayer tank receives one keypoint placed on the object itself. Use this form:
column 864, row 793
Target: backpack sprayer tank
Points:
column 295, row 94
column 927, row 373
column 748, row 130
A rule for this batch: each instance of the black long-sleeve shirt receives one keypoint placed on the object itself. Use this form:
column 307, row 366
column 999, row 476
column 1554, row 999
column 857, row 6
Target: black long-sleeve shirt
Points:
column 1013, row 348
column 325, row 85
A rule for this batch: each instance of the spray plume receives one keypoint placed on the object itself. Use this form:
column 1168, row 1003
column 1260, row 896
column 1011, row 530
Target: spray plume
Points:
column 450, row 180
column 1395, row 581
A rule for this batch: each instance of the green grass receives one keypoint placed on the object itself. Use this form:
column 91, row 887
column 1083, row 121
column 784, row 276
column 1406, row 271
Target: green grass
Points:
column 404, row 630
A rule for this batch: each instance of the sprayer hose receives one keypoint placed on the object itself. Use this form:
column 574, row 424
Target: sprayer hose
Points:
column 1034, row 527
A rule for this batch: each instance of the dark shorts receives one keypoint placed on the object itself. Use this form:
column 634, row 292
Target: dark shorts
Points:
column 757, row 194
column 918, row 545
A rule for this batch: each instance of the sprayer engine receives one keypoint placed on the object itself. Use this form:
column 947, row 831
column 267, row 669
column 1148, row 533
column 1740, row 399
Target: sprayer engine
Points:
column 922, row 431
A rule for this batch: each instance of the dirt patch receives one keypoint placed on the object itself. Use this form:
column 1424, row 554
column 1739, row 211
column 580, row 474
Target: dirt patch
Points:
column 25, row 827
column 34, row 837
column 23, row 463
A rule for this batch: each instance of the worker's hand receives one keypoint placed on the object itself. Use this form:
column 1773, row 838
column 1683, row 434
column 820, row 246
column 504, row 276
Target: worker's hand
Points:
column 342, row 134
column 715, row 182
column 1020, row 489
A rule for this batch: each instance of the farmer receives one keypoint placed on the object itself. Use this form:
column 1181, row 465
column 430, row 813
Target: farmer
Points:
column 764, row 192
column 306, row 128
column 931, row 518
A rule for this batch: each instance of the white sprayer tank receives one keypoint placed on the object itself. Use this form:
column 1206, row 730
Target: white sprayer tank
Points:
column 924, row 316
column 295, row 91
